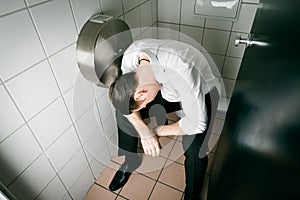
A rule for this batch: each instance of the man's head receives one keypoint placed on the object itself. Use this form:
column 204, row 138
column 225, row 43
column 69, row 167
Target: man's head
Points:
column 134, row 90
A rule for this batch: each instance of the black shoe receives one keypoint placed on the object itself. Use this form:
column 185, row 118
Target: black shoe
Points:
column 121, row 177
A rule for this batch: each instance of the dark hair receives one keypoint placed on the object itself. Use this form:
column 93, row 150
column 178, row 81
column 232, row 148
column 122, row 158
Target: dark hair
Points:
column 121, row 93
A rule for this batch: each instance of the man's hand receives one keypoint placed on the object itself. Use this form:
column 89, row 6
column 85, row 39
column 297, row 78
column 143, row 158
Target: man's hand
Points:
column 151, row 145
column 149, row 140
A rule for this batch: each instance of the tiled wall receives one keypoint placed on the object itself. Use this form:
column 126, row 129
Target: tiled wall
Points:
column 56, row 129
column 215, row 35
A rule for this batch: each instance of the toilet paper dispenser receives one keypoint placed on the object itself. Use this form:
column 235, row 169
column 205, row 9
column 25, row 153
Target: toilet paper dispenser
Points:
column 100, row 47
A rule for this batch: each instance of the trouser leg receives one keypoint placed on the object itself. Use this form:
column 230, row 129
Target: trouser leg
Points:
column 196, row 149
column 195, row 166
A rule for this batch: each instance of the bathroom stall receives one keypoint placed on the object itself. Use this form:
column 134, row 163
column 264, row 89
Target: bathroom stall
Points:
column 258, row 152
column 57, row 128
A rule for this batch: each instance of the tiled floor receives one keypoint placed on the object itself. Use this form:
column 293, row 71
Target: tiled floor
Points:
column 158, row 178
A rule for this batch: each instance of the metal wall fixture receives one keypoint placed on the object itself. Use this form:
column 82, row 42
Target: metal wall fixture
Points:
column 249, row 41
column 100, row 48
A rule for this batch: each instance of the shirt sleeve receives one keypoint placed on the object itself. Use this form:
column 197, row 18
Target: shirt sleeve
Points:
column 188, row 84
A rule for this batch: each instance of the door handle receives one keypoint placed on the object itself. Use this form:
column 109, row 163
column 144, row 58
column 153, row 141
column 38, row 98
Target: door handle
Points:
column 248, row 41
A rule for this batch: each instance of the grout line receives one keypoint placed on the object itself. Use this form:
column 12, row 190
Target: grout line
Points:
column 65, row 104
column 161, row 171
column 131, row 9
column 179, row 27
column 170, row 186
column 105, row 188
column 73, row 16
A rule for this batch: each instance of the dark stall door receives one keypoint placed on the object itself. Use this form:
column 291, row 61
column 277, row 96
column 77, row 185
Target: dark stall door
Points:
column 258, row 157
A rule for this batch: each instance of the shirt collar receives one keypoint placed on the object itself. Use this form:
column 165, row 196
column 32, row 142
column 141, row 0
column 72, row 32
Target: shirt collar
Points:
column 157, row 68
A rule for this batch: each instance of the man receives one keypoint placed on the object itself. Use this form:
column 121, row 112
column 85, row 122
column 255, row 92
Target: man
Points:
column 176, row 76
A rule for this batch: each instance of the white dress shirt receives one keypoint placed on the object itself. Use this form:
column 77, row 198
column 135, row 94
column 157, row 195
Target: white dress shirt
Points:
column 184, row 74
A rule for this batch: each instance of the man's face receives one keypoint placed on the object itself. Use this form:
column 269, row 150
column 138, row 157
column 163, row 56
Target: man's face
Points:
column 146, row 94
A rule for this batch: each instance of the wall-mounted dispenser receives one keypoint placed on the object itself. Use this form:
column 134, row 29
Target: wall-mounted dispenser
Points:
column 223, row 9
column 100, row 47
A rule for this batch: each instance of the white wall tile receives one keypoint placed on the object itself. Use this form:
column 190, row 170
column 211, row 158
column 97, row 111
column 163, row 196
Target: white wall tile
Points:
column 83, row 10
column 87, row 125
column 14, row 49
column 218, row 24
column 236, row 51
column 250, row 1
column 55, row 23
column 168, row 31
column 224, row 103
column 169, row 11
column 97, row 148
column 231, row 67
column 97, row 167
column 81, row 187
column 218, row 126
column 191, row 35
column 130, row 4
column 215, row 41
column 146, row 15
column 187, row 14
column 67, row 197
column 65, row 67
column 9, row 6
column 113, row 145
column 34, row 89
column 55, row 190
column 17, row 152
column 63, row 149
column 112, row 7
column 245, row 18
column 217, row 60
column 110, row 127
column 79, row 99
column 51, row 123
column 72, row 171
column 99, row 91
column 154, row 10
column 229, row 86
column 32, row 2
column 10, row 118
column 150, row 32
column 132, row 18
column 104, row 105
column 27, row 187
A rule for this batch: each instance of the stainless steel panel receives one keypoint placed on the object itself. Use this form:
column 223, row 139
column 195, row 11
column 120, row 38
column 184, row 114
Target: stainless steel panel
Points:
column 100, row 47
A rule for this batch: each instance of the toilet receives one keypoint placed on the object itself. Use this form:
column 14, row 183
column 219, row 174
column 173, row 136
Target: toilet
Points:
column 100, row 48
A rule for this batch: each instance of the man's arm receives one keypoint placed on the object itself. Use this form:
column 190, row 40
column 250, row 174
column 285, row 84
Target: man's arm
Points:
column 166, row 130
column 149, row 140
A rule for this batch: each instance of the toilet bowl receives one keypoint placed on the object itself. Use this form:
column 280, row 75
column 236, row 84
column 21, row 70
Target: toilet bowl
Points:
column 100, row 47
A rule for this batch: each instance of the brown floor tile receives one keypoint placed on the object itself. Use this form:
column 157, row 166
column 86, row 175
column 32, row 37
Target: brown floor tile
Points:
column 120, row 198
column 163, row 192
column 118, row 159
column 179, row 138
column 167, row 145
column 106, row 175
column 151, row 166
column 97, row 192
column 173, row 175
column 138, row 187
column 177, row 153
column 172, row 117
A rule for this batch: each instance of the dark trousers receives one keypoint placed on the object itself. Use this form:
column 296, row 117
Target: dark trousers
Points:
column 195, row 146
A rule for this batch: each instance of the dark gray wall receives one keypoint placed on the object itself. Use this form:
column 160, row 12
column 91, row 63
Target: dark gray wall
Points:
column 258, row 152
